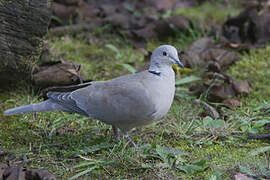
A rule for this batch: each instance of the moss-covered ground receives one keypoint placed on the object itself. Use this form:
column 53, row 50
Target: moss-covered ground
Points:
column 181, row 146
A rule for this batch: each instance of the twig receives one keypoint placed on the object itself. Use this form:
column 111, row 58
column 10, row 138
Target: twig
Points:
column 258, row 136
column 85, row 158
column 106, row 170
column 214, row 138
column 208, row 109
column 72, row 29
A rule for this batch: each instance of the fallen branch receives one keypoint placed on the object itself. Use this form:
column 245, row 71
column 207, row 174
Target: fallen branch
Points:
column 258, row 136
column 71, row 29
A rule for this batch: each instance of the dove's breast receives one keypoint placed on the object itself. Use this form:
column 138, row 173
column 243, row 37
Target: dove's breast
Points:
column 163, row 94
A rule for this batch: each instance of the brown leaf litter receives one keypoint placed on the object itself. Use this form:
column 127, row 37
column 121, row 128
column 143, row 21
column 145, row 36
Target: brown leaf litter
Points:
column 224, row 91
column 250, row 27
column 137, row 20
column 204, row 53
column 10, row 170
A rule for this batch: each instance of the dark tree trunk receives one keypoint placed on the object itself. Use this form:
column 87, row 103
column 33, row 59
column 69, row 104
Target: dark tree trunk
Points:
column 22, row 25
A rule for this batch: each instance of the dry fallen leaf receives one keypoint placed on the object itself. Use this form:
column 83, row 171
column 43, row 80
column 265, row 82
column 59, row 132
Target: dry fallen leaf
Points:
column 242, row 88
column 232, row 103
column 57, row 73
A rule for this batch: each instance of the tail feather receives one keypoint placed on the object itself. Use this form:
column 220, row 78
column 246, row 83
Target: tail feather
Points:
column 47, row 105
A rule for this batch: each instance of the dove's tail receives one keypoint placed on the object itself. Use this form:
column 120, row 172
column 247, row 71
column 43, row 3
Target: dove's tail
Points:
column 47, row 105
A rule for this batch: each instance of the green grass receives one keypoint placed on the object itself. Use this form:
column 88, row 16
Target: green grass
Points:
column 98, row 60
column 58, row 141
column 255, row 68
column 209, row 12
column 181, row 41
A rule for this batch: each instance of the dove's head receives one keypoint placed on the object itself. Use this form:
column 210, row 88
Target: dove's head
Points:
column 162, row 56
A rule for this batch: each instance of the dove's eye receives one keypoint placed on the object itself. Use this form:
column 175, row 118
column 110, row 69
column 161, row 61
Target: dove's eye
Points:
column 164, row 53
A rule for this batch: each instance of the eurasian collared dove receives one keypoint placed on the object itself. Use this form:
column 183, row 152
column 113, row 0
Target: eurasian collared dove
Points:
column 124, row 102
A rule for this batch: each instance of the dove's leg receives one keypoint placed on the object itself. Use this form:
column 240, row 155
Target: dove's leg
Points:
column 130, row 140
column 116, row 133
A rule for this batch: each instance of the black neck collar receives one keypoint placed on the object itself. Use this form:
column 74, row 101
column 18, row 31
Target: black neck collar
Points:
column 154, row 72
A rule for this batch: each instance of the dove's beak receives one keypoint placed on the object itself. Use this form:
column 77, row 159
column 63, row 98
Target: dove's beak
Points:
column 178, row 62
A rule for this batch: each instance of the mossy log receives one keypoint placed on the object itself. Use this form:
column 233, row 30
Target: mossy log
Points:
column 22, row 25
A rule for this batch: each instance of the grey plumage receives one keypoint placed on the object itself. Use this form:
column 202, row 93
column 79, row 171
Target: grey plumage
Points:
column 124, row 102
column 47, row 105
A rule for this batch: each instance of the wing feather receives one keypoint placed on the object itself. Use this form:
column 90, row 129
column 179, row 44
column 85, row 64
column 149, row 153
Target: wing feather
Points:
column 65, row 100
